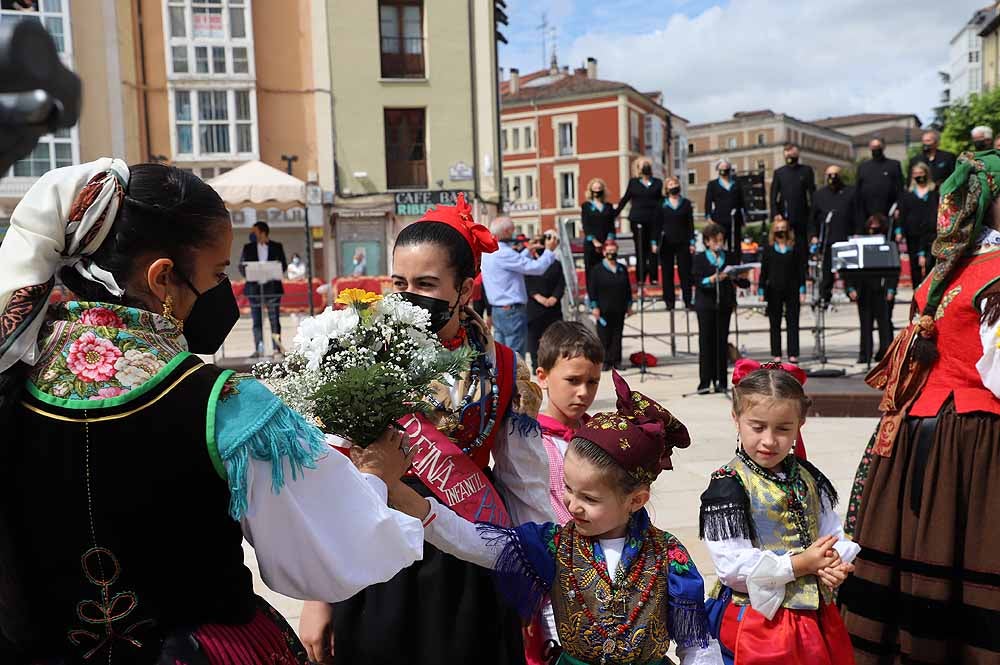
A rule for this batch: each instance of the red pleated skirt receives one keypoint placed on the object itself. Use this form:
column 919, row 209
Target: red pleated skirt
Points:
column 816, row 637
column 267, row 640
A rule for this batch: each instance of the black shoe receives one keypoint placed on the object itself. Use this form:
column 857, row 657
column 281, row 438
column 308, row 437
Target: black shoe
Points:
column 620, row 367
column 703, row 389
column 670, row 306
column 862, row 360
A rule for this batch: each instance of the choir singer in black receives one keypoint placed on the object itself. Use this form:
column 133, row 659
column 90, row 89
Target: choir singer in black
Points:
column 941, row 162
column 792, row 190
column 714, row 302
column 545, row 293
column 783, row 286
column 836, row 202
column 917, row 222
column 611, row 304
column 724, row 205
column 598, row 219
column 645, row 193
column 676, row 242
column 880, row 182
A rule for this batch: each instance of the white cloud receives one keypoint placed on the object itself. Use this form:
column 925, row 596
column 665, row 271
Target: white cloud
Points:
column 807, row 58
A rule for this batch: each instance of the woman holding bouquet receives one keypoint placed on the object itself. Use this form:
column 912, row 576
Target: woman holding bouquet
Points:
column 443, row 610
column 134, row 469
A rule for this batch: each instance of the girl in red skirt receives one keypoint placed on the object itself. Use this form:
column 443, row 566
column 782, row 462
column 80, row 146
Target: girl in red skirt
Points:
column 769, row 523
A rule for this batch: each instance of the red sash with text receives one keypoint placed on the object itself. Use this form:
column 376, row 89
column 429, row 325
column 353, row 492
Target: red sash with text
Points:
column 454, row 477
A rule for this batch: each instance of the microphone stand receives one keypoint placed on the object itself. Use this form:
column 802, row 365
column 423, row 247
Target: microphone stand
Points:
column 640, row 235
column 819, row 306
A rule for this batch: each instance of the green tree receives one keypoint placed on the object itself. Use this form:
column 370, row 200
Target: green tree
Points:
column 962, row 116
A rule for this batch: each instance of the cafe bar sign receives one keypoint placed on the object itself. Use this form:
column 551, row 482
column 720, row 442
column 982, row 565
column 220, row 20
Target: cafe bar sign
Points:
column 416, row 203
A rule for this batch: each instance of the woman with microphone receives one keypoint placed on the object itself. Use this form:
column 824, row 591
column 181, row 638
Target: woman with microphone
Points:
column 645, row 192
column 724, row 205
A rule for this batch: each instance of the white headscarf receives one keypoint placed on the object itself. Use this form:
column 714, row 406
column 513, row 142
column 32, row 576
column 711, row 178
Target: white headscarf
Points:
column 61, row 221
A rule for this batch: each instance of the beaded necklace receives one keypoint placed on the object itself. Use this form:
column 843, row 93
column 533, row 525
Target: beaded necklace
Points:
column 792, row 485
column 624, row 580
column 481, row 372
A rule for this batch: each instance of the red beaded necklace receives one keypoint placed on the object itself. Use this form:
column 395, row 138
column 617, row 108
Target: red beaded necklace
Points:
column 630, row 581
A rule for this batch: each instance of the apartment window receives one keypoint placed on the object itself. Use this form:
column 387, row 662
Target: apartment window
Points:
column 52, row 152
column 405, row 152
column 633, row 123
column 515, row 135
column 50, row 13
column 241, row 63
column 402, row 36
column 527, row 227
column 211, row 33
column 218, row 60
column 503, row 140
column 179, row 55
column 567, row 190
column 692, row 178
column 566, row 142
column 731, row 142
column 690, row 148
column 200, row 59
column 527, row 138
column 761, row 139
column 214, row 122
column 529, row 187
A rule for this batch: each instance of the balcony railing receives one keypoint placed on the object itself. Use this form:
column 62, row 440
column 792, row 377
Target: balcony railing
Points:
column 403, row 57
column 402, row 174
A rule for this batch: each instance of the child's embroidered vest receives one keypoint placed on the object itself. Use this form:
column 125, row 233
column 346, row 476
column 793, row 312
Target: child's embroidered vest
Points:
column 785, row 520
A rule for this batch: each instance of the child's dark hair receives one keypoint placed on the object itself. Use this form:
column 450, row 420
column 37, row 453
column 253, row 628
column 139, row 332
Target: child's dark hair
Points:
column 769, row 384
column 711, row 230
column 568, row 340
column 438, row 233
column 165, row 210
column 624, row 482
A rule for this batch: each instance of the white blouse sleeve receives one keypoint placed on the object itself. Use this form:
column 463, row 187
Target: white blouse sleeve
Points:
column 521, row 471
column 452, row 534
column 710, row 655
column 736, row 558
column 329, row 533
column 989, row 365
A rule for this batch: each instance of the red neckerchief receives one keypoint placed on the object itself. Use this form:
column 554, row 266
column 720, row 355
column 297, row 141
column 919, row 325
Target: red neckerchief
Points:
column 456, row 341
column 554, row 428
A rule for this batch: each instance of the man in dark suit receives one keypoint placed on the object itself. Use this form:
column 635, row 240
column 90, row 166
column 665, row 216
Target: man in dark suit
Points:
column 880, row 182
column 792, row 191
column 941, row 162
column 267, row 294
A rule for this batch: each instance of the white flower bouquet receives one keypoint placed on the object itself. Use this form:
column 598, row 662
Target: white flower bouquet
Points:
column 356, row 371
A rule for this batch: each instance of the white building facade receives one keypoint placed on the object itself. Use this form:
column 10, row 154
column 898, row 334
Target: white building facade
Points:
column 966, row 57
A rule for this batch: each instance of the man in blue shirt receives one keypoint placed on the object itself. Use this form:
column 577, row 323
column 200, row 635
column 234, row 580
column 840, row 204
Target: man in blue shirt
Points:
column 503, row 281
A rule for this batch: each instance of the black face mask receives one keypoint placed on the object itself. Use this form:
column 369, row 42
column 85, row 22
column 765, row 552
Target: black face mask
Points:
column 212, row 318
column 598, row 194
column 982, row 144
column 878, row 153
column 441, row 311
column 927, row 149
column 780, row 234
column 874, row 231
column 791, row 161
column 674, row 191
column 647, row 170
column 921, row 180
column 833, row 181
column 725, row 173
column 610, row 256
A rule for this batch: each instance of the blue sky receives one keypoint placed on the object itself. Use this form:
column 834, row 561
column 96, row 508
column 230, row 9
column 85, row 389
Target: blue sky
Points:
column 808, row 58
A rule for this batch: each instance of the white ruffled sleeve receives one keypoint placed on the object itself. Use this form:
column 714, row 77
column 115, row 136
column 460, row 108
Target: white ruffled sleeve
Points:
column 710, row 655
column 989, row 365
column 328, row 534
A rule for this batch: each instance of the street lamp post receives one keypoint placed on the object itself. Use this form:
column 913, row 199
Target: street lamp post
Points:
column 289, row 160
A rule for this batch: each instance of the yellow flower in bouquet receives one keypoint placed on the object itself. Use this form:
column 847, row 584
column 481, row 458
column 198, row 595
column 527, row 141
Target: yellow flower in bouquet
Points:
column 358, row 298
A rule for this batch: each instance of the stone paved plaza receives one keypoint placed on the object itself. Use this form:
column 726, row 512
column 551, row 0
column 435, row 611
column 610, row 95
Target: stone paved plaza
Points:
column 834, row 444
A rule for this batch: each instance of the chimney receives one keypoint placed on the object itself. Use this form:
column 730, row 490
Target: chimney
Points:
column 592, row 68
column 553, row 65
column 580, row 71
column 565, row 69
column 515, row 81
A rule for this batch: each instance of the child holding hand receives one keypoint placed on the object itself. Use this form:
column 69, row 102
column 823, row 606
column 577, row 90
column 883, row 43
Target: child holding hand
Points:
column 621, row 589
column 769, row 523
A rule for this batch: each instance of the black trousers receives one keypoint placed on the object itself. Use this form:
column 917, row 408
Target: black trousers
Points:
column 591, row 257
column 681, row 253
column 874, row 309
column 713, row 352
column 826, row 286
column 537, row 328
column 611, row 336
column 783, row 303
column 646, row 263
column 918, row 274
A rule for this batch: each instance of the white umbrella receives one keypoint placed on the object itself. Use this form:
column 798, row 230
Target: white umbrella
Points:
column 257, row 182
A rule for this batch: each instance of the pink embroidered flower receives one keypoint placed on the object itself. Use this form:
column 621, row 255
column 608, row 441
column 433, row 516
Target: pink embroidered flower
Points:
column 92, row 358
column 101, row 316
column 678, row 555
column 108, row 393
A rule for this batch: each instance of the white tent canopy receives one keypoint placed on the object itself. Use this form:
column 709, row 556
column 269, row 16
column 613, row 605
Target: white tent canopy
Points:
column 257, row 182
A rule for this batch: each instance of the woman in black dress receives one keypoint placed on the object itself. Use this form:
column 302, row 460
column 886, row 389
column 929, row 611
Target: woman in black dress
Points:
column 676, row 242
column 918, row 222
column 645, row 192
column 612, row 303
column 598, row 218
column 714, row 301
column 545, row 294
column 782, row 286
column 724, row 205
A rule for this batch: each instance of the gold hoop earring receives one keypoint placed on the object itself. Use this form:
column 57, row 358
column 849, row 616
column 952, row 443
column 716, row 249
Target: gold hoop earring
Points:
column 168, row 307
